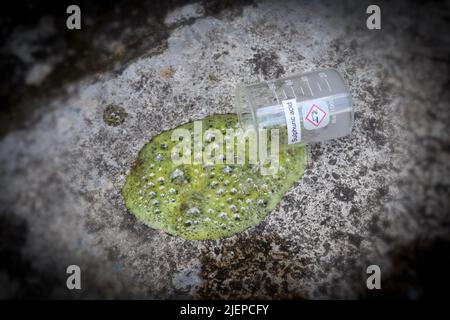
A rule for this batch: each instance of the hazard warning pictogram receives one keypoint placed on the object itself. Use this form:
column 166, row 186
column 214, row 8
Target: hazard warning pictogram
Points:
column 315, row 115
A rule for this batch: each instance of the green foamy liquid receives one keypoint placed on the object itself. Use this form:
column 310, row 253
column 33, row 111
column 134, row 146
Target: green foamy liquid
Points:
column 205, row 202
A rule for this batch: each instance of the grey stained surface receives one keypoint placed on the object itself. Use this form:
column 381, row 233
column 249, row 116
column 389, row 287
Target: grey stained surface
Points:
column 362, row 199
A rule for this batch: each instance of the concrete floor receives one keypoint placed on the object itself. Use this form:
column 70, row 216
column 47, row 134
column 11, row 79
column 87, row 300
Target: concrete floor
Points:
column 363, row 199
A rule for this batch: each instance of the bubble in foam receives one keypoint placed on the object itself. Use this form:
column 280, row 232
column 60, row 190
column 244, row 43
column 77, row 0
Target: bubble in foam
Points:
column 261, row 202
column 194, row 212
column 227, row 170
column 222, row 215
column 213, row 184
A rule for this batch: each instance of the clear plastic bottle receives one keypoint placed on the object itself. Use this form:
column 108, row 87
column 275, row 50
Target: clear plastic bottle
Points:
column 307, row 108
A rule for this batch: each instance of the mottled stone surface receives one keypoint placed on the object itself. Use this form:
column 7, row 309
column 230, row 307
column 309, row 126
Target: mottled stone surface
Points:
column 363, row 198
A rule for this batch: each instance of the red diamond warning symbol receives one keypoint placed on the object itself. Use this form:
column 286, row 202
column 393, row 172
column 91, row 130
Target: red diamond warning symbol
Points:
column 315, row 115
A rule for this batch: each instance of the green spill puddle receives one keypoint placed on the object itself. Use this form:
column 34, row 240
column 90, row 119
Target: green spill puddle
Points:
column 199, row 202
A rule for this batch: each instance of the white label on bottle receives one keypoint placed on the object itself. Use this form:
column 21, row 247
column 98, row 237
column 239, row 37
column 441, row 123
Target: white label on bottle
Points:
column 292, row 120
column 316, row 113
